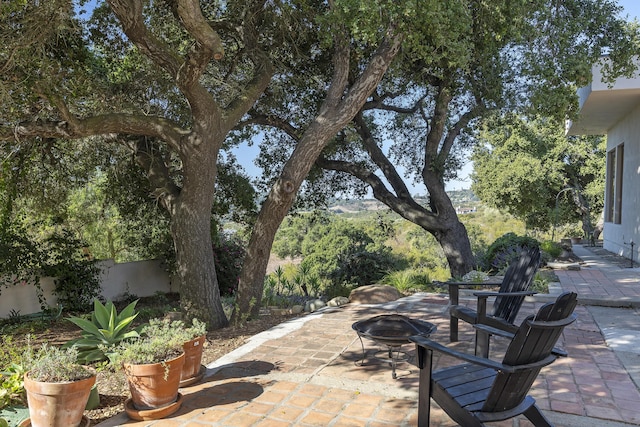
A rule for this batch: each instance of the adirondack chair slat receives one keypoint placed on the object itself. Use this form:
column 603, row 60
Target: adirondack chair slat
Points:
column 509, row 389
column 472, row 387
column 451, row 376
column 482, row 390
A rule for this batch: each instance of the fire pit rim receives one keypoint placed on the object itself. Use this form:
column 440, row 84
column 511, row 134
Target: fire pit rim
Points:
column 420, row 328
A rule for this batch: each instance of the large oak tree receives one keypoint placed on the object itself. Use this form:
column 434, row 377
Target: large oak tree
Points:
column 465, row 61
column 168, row 80
column 341, row 79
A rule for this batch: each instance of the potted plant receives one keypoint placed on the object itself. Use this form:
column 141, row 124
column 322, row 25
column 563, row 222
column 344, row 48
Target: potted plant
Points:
column 195, row 337
column 152, row 365
column 57, row 387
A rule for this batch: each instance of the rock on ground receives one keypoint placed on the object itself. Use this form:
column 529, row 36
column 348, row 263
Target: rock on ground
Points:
column 374, row 294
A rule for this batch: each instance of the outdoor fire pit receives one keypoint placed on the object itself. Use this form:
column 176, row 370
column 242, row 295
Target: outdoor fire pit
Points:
column 391, row 330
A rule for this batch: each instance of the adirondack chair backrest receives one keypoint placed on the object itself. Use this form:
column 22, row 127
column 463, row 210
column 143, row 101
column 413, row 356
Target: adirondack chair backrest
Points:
column 518, row 277
column 532, row 343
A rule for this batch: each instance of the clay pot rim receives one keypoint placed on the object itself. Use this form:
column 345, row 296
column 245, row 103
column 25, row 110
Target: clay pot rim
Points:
column 196, row 339
column 28, row 378
column 125, row 364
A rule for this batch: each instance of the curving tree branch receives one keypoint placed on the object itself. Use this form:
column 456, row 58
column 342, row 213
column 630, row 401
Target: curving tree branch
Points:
column 129, row 13
column 115, row 123
column 272, row 121
column 163, row 187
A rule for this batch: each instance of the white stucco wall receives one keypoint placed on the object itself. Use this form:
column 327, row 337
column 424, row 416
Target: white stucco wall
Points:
column 616, row 237
column 23, row 299
column 141, row 278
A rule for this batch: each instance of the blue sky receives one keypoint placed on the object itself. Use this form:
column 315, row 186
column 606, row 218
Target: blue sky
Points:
column 631, row 8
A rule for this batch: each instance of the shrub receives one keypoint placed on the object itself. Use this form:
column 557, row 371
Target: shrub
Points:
column 333, row 290
column 440, row 274
column 290, row 285
column 53, row 364
column 161, row 340
column 364, row 268
column 407, row 280
column 12, row 390
column 76, row 276
column 229, row 253
column 506, row 249
column 20, row 261
column 24, row 259
column 11, row 372
column 554, row 249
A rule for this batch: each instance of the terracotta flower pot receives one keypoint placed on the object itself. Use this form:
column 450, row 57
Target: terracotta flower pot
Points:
column 57, row 404
column 191, row 370
column 154, row 385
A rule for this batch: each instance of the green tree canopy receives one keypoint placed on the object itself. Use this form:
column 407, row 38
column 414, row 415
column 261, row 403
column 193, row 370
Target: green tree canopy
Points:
column 164, row 80
column 340, row 251
column 168, row 81
column 523, row 165
column 462, row 61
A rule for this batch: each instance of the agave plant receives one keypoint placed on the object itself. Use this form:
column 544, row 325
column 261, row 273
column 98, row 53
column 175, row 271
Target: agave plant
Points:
column 104, row 331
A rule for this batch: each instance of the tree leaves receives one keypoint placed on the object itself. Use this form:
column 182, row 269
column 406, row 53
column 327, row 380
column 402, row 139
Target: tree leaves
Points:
column 522, row 164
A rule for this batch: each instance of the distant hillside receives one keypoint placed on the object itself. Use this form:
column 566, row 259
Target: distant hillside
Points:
column 460, row 198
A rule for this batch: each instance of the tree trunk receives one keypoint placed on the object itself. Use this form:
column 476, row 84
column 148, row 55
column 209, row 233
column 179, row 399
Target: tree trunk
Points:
column 338, row 108
column 582, row 207
column 273, row 211
column 199, row 292
column 457, row 248
column 450, row 233
column 191, row 232
column 251, row 285
column 597, row 230
column 440, row 219
column 444, row 225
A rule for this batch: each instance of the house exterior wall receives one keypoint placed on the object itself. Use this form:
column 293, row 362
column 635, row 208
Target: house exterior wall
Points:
column 617, row 237
column 141, row 278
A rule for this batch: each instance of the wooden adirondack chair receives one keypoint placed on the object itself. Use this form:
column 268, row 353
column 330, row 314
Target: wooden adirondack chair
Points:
column 484, row 390
column 513, row 289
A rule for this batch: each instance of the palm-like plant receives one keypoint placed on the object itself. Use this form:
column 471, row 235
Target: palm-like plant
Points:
column 104, row 331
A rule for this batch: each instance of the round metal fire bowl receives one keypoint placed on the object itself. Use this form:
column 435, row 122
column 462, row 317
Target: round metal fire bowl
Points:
column 392, row 329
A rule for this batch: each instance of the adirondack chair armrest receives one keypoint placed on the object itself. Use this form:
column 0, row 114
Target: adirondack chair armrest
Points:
column 476, row 360
column 506, row 330
column 454, row 288
column 486, row 294
column 464, row 284
column 496, row 331
column 432, row 345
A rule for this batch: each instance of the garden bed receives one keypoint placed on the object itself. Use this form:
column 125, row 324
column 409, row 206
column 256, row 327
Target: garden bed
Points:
column 112, row 386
